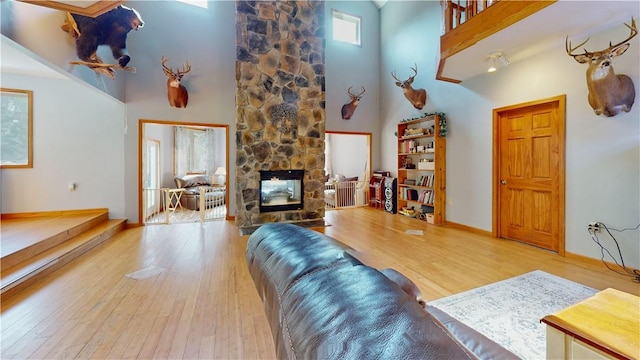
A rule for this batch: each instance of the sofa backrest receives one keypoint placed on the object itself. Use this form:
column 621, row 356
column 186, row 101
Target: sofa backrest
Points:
column 192, row 181
column 323, row 303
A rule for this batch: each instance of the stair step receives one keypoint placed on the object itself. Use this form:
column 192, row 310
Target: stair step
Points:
column 30, row 270
column 36, row 242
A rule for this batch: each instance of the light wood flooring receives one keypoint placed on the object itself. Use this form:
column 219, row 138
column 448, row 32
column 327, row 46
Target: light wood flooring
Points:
column 195, row 299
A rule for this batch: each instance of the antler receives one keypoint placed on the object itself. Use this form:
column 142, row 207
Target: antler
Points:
column 415, row 70
column 570, row 50
column 186, row 68
column 395, row 76
column 164, row 66
column 410, row 79
column 353, row 95
column 634, row 32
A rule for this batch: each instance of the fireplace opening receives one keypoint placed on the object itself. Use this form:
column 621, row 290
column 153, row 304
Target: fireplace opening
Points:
column 281, row 190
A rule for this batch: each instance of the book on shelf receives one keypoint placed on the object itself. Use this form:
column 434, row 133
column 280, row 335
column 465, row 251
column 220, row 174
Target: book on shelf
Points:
column 410, row 194
column 407, row 146
column 425, row 180
column 426, row 197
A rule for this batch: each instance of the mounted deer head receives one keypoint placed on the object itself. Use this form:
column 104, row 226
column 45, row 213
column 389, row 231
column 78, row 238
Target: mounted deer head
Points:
column 176, row 92
column 608, row 93
column 417, row 97
column 348, row 109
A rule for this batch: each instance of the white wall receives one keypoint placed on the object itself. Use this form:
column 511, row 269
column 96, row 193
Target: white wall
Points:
column 77, row 137
column 205, row 38
column 602, row 154
column 351, row 65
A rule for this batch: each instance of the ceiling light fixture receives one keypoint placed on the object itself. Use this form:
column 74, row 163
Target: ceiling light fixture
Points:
column 497, row 59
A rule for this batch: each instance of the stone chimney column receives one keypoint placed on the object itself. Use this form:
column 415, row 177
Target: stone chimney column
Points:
column 280, row 104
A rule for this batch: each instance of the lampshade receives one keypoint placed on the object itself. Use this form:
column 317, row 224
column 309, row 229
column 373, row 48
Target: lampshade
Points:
column 221, row 173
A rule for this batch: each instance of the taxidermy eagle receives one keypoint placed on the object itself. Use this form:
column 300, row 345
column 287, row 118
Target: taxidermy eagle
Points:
column 111, row 29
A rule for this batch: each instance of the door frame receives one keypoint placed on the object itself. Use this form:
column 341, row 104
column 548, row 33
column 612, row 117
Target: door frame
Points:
column 145, row 158
column 497, row 123
column 369, row 143
column 141, row 127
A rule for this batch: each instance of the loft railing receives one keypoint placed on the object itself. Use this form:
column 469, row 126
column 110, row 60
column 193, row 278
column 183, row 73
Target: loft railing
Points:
column 481, row 19
column 457, row 12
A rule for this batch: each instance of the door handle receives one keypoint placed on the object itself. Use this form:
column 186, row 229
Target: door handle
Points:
column 503, row 182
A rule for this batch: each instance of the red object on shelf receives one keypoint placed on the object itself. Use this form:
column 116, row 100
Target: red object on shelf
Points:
column 375, row 192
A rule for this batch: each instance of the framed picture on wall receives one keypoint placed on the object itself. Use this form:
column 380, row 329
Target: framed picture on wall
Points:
column 16, row 137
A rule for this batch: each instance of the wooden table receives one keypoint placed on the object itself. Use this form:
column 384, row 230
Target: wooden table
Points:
column 606, row 325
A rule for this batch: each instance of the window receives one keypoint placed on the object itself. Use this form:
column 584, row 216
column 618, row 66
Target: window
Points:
column 16, row 128
column 194, row 151
column 346, row 27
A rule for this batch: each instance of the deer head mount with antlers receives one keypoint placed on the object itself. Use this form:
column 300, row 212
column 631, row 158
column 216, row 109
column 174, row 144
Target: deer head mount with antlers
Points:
column 608, row 93
column 176, row 92
column 417, row 97
column 348, row 109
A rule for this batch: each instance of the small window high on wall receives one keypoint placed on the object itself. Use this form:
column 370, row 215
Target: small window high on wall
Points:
column 346, row 27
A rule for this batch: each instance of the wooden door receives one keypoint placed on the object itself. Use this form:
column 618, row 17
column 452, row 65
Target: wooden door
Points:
column 529, row 167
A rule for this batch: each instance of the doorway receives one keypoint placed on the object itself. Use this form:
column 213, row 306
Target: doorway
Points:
column 348, row 168
column 182, row 176
column 529, row 173
column 348, row 154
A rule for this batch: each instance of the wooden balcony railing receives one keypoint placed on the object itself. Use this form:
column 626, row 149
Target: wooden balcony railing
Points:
column 457, row 12
column 468, row 21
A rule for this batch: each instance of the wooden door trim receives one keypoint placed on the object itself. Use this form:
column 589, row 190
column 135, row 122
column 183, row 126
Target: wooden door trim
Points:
column 369, row 143
column 497, row 115
column 143, row 122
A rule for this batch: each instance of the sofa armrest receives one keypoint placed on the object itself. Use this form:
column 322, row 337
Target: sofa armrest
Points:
column 478, row 344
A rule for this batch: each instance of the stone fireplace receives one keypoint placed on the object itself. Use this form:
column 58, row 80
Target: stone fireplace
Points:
column 280, row 114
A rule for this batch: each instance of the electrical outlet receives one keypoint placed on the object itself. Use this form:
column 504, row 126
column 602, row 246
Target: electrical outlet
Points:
column 593, row 227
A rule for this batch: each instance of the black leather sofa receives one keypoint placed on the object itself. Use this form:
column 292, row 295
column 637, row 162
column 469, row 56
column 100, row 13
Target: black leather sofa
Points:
column 323, row 303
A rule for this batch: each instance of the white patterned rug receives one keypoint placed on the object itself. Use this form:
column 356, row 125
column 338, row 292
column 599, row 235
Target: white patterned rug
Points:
column 509, row 311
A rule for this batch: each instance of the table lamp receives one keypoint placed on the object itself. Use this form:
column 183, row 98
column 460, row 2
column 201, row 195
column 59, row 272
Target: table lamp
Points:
column 221, row 173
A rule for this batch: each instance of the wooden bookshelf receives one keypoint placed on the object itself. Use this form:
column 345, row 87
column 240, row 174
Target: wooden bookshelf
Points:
column 421, row 169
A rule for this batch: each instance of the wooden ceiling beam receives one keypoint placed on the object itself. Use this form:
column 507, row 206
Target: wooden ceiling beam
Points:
column 86, row 8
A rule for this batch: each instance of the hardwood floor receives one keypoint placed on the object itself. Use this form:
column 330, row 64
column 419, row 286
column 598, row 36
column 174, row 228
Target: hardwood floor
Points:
column 198, row 300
